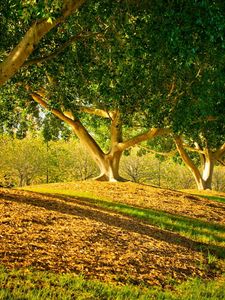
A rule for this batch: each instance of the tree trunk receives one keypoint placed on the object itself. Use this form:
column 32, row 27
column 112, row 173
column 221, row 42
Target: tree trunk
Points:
column 208, row 167
column 21, row 179
column 109, row 167
column 108, row 163
column 203, row 181
column 202, row 184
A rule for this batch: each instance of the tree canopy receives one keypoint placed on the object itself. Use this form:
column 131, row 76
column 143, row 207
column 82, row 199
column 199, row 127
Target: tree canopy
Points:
column 155, row 65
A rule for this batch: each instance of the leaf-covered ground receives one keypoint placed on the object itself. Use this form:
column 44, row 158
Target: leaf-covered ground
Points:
column 63, row 234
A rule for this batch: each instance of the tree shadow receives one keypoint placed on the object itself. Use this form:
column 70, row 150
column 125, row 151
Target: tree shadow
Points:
column 90, row 208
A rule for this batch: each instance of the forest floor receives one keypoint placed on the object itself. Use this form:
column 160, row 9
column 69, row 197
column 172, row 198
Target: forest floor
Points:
column 69, row 232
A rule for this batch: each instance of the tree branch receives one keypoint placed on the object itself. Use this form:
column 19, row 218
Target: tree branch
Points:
column 151, row 133
column 78, row 128
column 59, row 50
column 26, row 46
column 185, row 157
column 89, row 110
column 95, row 111
column 37, row 98
column 198, row 150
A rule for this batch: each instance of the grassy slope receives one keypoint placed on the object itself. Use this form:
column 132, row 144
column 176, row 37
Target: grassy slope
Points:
column 212, row 235
column 32, row 285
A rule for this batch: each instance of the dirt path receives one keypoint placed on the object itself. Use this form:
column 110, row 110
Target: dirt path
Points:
column 52, row 233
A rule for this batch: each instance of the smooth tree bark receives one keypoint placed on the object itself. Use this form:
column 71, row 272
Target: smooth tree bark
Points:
column 108, row 163
column 208, row 158
column 17, row 57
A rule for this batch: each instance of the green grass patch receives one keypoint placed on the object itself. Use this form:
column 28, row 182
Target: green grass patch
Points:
column 40, row 285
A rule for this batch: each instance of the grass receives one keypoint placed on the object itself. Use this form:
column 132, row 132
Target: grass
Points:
column 32, row 285
column 210, row 236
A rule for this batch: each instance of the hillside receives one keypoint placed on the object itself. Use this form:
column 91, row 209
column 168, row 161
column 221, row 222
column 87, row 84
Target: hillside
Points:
column 84, row 229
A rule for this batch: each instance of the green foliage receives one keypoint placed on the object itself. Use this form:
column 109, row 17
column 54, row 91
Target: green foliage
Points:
column 22, row 161
column 102, row 69
column 161, row 64
column 32, row 160
column 53, row 129
column 17, row 16
column 68, row 161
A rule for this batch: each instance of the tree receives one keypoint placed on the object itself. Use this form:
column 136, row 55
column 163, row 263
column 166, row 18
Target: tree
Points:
column 143, row 64
column 208, row 156
column 144, row 165
column 68, row 161
column 108, row 162
column 28, row 163
column 141, row 167
column 190, row 82
column 102, row 77
column 39, row 162
column 103, row 15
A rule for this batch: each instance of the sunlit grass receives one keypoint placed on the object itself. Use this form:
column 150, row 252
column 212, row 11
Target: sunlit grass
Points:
column 38, row 285
column 54, row 189
column 209, row 236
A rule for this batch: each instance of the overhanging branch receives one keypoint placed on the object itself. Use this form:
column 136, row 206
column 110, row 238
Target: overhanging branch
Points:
column 189, row 148
column 32, row 37
column 81, row 132
column 60, row 49
column 95, row 111
column 37, row 98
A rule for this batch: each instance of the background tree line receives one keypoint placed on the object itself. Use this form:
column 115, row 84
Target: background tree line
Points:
column 32, row 160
